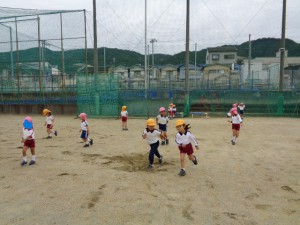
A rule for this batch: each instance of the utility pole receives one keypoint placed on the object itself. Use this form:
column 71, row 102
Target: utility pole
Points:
column 187, row 61
column 249, row 58
column 195, row 60
column 282, row 48
column 152, row 42
column 104, row 61
column 146, row 67
column 282, row 53
column 95, row 38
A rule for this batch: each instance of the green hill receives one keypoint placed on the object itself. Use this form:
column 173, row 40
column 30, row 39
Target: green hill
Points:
column 264, row 47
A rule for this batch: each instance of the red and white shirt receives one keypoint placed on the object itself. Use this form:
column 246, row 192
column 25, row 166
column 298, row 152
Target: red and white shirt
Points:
column 185, row 138
column 49, row 119
column 28, row 134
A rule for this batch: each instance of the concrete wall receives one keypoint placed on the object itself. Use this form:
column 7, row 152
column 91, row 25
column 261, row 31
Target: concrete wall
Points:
column 37, row 109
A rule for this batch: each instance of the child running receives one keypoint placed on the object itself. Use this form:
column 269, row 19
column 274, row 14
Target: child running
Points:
column 242, row 107
column 183, row 139
column 49, row 123
column 28, row 140
column 170, row 110
column 174, row 111
column 85, row 130
column 236, row 122
column 152, row 135
column 162, row 120
column 124, row 117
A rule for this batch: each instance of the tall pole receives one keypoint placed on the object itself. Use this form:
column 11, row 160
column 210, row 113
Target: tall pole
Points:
column 146, row 67
column 62, row 53
column 249, row 58
column 152, row 42
column 282, row 48
column 11, row 53
column 95, row 38
column 104, row 61
column 187, row 46
column 187, row 61
column 148, row 63
column 85, row 44
column 195, row 60
column 40, row 54
column 18, row 55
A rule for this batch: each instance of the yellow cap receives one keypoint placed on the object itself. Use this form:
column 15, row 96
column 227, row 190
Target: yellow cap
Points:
column 150, row 122
column 179, row 122
column 46, row 111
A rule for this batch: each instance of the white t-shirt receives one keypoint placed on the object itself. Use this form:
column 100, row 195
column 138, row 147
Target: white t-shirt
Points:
column 28, row 134
column 152, row 136
column 185, row 138
column 162, row 119
column 124, row 113
column 84, row 125
column 236, row 119
column 241, row 107
column 49, row 119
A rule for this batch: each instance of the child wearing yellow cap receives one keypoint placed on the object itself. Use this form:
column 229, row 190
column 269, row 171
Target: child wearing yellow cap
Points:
column 152, row 135
column 49, row 123
column 124, row 117
column 184, row 139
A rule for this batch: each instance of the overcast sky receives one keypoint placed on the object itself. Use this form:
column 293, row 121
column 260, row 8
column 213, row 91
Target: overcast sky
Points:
column 212, row 22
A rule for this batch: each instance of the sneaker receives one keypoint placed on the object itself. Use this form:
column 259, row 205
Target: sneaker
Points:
column 23, row 163
column 55, row 133
column 126, row 129
column 150, row 166
column 233, row 143
column 91, row 142
column 160, row 160
column 86, row 145
column 195, row 160
column 163, row 142
column 182, row 172
column 48, row 137
column 167, row 141
column 32, row 162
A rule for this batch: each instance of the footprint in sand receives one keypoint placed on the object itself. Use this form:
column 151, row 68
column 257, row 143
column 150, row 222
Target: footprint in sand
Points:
column 263, row 206
column 287, row 188
column 251, row 196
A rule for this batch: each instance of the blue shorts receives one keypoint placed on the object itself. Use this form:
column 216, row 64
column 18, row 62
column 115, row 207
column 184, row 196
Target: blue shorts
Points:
column 84, row 134
column 162, row 127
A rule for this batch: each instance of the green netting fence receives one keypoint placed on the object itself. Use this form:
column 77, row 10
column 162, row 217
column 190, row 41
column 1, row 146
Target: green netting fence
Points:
column 103, row 96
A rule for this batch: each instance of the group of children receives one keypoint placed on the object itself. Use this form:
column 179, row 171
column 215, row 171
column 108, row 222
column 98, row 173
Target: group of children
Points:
column 184, row 138
column 28, row 139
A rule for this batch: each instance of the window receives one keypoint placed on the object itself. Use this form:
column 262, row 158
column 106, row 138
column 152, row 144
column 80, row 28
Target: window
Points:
column 229, row 56
column 137, row 73
column 215, row 56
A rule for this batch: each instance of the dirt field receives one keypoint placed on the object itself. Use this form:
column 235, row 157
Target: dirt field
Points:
column 256, row 182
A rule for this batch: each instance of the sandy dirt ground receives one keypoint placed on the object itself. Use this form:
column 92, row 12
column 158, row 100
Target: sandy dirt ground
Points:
column 256, row 182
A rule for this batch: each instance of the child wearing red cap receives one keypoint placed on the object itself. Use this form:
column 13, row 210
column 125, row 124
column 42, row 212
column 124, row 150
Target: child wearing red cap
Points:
column 28, row 140
column 236, row 122
column 162, row 120
column 85, row 130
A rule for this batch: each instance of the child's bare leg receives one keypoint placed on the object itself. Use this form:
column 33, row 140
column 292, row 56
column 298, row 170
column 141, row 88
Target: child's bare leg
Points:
column 182, row 160
column 25, row 148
